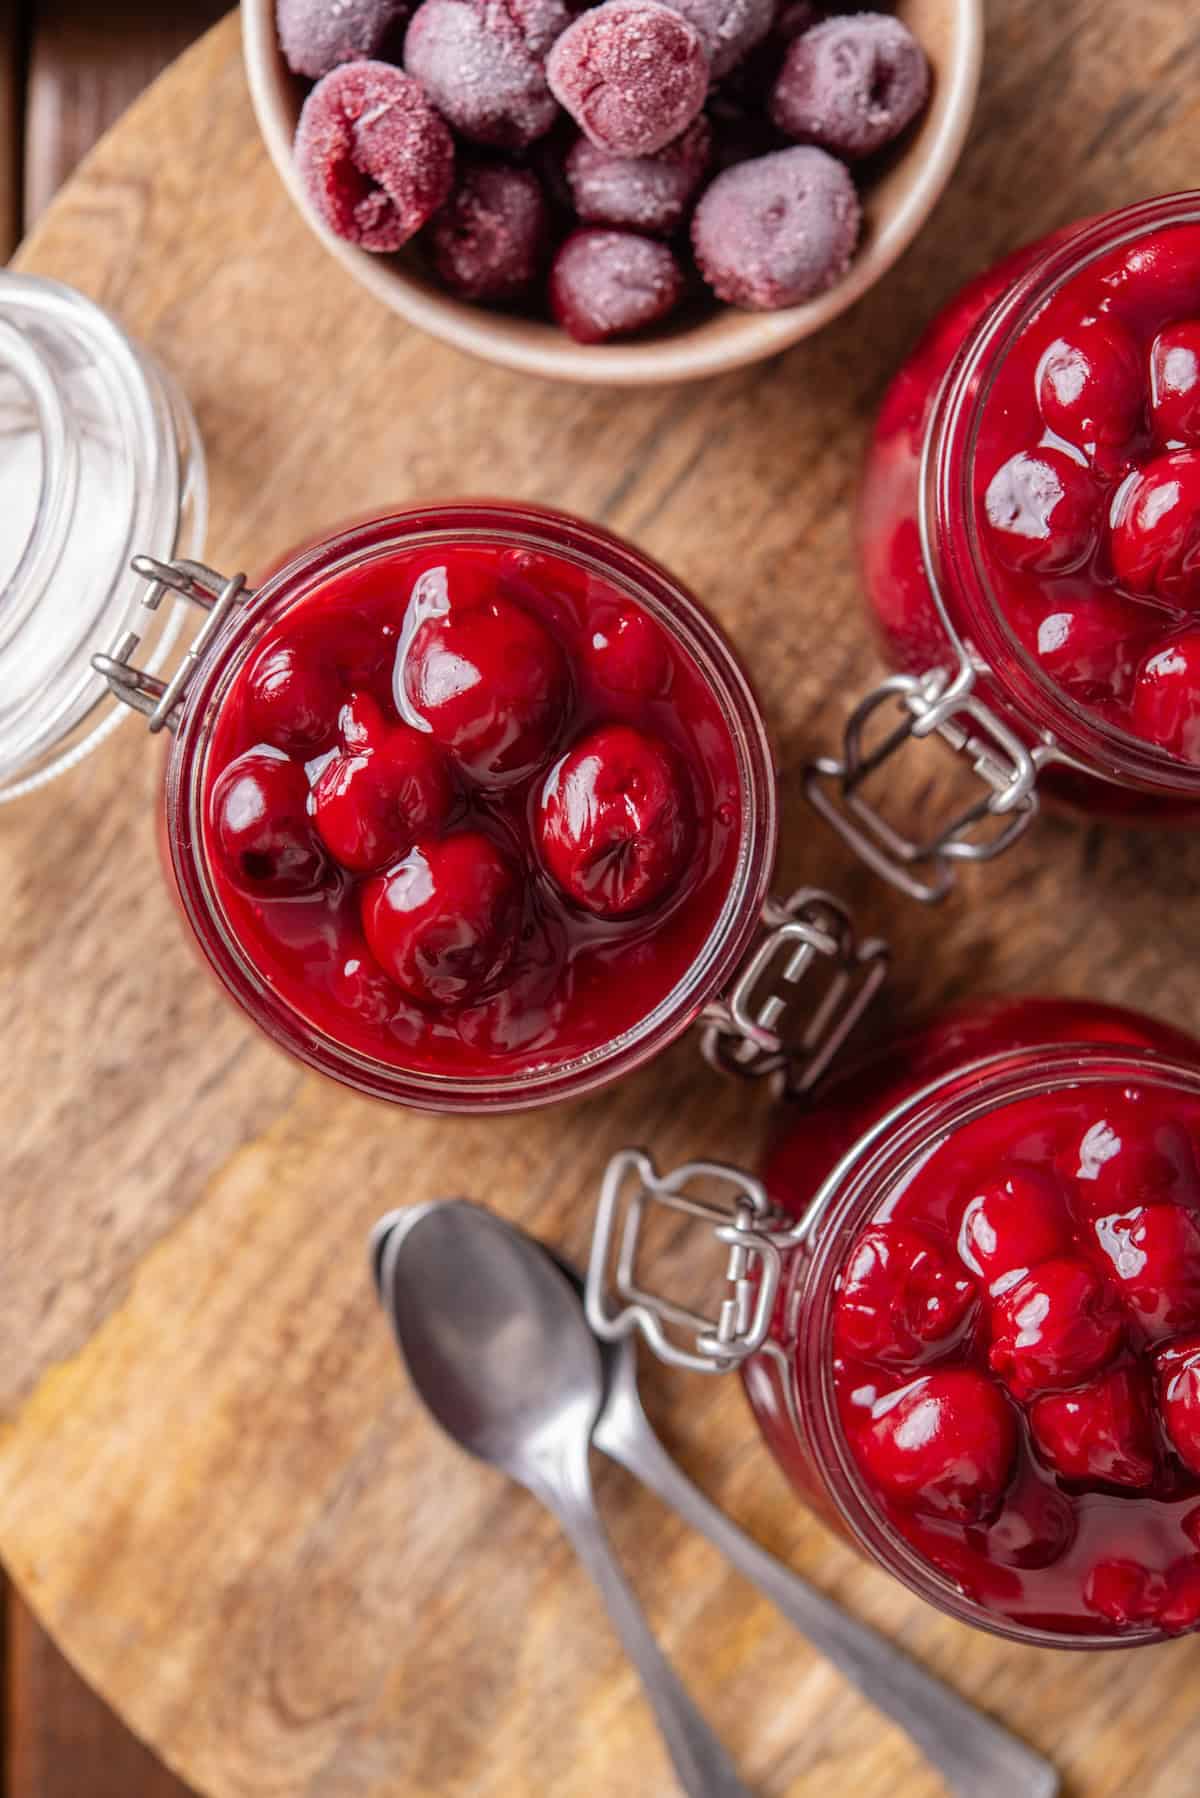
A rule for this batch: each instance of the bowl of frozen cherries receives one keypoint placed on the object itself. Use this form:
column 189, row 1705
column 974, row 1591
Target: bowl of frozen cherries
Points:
column 631, row 192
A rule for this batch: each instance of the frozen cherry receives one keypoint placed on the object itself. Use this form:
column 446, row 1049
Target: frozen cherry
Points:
column 1155, row 1256
column 631, row 73
column 1091, row 643
column 1131, row 1156
column 444, row 922
column 606, row 284
column 1166, row 696
column 615, row 822
column 1056, row 1327
column 1175, row 384
column 1154, row 529
column 294, row 698
column 1180, row 1608
column 490, row 240
column 1102, row 1431
column 371, row 804
column 729, row 27
column 777, row 230
column 1043, row 511
column 851, row 84
column 375, row 158
column 899, row 1298
column 1124, row 1593
column 944, row 1443
column 1013, row 1223
column 1089, row 383
column 1179, row 1401
column 476, row 61
column 315, row 35
column 490, row 683
column 266, row 838
column 639, row 193
column 627, row 653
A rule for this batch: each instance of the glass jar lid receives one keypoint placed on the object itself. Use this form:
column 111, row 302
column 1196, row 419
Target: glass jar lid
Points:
column 100, row 459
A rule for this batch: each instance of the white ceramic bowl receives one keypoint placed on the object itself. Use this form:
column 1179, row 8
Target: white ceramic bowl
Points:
column 895, row 208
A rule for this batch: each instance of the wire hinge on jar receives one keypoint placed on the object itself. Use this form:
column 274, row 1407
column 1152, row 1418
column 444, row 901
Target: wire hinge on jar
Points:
column 745, row 1033
column 736, row 1211
column 217, row 595
column 929, row 704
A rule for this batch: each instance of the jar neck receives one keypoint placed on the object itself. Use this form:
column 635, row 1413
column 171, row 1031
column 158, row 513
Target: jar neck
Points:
column 874, row 1170
column 957, row 566
column 676, row 611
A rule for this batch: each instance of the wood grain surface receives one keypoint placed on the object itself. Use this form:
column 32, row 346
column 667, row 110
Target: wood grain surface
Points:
column 214, row 1486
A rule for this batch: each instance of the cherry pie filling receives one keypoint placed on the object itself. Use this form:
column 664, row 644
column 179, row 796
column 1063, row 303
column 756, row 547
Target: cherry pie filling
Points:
column 471, row 810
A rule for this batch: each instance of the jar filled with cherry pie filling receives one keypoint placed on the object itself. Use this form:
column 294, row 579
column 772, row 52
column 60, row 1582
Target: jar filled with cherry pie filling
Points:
column 1029, row 532
column 965, row 1302
column 472, row 807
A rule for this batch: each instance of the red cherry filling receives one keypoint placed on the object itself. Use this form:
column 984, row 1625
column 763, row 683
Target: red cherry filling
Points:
column 615, row 822
column 626, row 652
column 1175, row 384
column 1179, row 1402
column 294, row 699
column 1012, row 1224
column 1155, row 1256
column 1043, row 512
column 1124, row 1593
column 900, row 1298
column 260, row 816
column 1091, row 644
column 945, row 1444
column 1180, row 1609
column 1154, row 530
column 1089, row 383
column 444, row 922
column 1056, row 1327
column 489, row 682
column 1102, row 1431
column 1166, row 696
column 1130, row 1155
column 381, row 791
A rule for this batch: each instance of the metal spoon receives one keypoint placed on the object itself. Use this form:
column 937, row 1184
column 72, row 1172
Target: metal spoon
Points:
column 976, row 1757
column 499, row 1349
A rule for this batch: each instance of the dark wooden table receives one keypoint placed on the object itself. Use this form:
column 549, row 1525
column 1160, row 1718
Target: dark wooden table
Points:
column 68, row 68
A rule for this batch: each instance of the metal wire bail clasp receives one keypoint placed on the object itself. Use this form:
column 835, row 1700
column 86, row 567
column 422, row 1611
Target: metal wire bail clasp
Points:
column 737, row 1214
column 752, row 1031
column 215, row 594
column 925, row 705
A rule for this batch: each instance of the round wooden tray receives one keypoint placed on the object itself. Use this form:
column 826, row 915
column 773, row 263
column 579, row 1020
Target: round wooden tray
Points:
column 214, row 1485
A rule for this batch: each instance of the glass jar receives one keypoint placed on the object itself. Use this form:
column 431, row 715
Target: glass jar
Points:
column 99, row 456
column 1020, row 689
column 579, row 995
column 965, row 1303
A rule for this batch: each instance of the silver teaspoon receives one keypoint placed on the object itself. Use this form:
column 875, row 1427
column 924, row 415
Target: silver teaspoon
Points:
column 498, row 1348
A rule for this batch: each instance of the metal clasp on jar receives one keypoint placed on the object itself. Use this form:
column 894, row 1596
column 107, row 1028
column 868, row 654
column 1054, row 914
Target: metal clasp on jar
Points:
column 757, row 1031
column 217, row 595
column 927, row 705
column 735, row 1212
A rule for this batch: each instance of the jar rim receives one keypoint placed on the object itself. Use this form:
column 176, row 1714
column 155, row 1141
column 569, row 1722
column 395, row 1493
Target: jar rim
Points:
column 690, row 626
column 947, row 504
column 875, row 1166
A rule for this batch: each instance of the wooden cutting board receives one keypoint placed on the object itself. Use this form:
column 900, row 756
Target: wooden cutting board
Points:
column 214, row 1485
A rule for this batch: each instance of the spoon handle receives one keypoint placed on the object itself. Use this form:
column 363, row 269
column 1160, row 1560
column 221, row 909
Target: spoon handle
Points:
column 975, row 1756
column 704, row 1768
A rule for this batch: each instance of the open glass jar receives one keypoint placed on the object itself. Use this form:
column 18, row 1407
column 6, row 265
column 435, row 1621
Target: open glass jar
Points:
column 99, row 457
column 965, row 1303
column 1030, row 540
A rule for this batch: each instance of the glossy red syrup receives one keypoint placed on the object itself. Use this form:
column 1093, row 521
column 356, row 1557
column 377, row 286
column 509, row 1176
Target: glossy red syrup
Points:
column 470, row 810
column 1016, row 1331
column 1086, row 489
